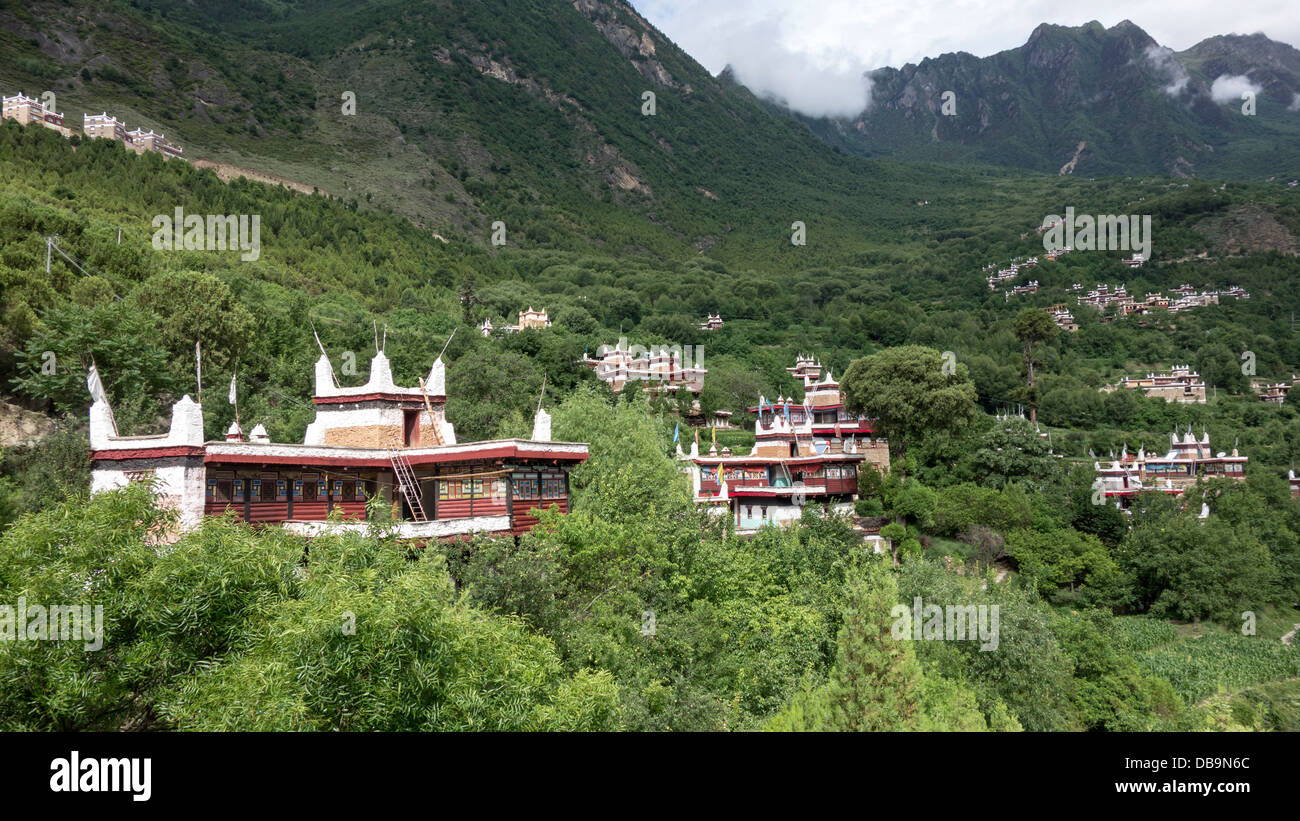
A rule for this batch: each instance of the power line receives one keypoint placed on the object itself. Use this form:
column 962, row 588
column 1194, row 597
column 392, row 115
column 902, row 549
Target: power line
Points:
column 51, row 244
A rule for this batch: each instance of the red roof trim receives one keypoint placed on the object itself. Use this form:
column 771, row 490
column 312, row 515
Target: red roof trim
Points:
column 506, row 452
column 797, row 461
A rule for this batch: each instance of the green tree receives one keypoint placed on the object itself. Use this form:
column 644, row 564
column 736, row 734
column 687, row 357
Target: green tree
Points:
column 877, row 683
column 908, row 391
column 468, row 298
column 1221, row 368
column 1185, row 568
column 488, row 385
column 1034, row 328
column 629, row 475
column 115, row 337
column 190, row 306
column 1062, row 557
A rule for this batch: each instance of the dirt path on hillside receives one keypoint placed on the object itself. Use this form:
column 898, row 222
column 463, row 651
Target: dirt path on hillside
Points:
column 226, row 172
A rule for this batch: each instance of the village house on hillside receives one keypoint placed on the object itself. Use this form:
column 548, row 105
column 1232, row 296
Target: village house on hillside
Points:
column 1181, row 384
column 1062, row 317
column 823, row 403
column 1187, row 461
column 377, row 439
column 532, row 319
column 141, row 141
column 711, row 323
column 102, row 126
column 805, row 453
column 527, row 319
column 1273, row 392
column 28, row 110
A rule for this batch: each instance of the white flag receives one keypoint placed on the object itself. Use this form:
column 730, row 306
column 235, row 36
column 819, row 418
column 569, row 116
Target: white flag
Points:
column 232, row 389
column 95, row 386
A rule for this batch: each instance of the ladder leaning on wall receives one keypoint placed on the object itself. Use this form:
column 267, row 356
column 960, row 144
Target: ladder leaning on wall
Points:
column 406, row 483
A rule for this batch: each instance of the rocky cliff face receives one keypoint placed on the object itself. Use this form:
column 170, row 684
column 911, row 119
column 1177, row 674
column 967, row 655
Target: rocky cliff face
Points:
column 19, row 426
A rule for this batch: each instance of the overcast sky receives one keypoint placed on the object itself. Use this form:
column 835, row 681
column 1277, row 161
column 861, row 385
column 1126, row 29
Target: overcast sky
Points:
column 812, row 53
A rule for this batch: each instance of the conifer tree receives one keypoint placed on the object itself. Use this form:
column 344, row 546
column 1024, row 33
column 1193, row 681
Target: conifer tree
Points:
column 877, row 679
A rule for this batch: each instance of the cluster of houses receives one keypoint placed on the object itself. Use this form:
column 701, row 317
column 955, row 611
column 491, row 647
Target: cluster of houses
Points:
column 28, row 110
column 1008, row 273
column 527, row 319
column 1184, row 385
column 395, row 444
column 711, row 323
column 1183, row 298
column 1181, row 384
column 806, row 452
column 1187, row 461
column 664, row 369
column 1031, row 288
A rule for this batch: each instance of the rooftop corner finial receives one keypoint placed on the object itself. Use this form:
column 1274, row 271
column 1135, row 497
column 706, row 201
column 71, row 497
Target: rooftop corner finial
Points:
column 541, row 426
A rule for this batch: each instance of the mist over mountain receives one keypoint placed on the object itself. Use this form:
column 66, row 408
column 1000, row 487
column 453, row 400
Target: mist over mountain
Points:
column 1089, row 100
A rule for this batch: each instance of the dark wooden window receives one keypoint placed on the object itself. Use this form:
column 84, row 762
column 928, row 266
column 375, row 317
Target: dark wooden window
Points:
column 552, row 487
column 460, row 489
column 525, row 487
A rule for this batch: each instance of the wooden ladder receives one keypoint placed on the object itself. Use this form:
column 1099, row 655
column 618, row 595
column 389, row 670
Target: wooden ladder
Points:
column 406, row 483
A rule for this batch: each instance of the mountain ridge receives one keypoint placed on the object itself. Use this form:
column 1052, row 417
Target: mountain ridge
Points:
column 1141, row 107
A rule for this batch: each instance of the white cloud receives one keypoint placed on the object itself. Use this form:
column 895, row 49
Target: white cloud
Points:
column 1164, row 61
column 1228, row 89
column 1295, row 103
column 811, row 52
column 828, row 83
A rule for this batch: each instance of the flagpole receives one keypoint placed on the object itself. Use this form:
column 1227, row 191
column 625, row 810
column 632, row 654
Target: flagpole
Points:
column 198, row 367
